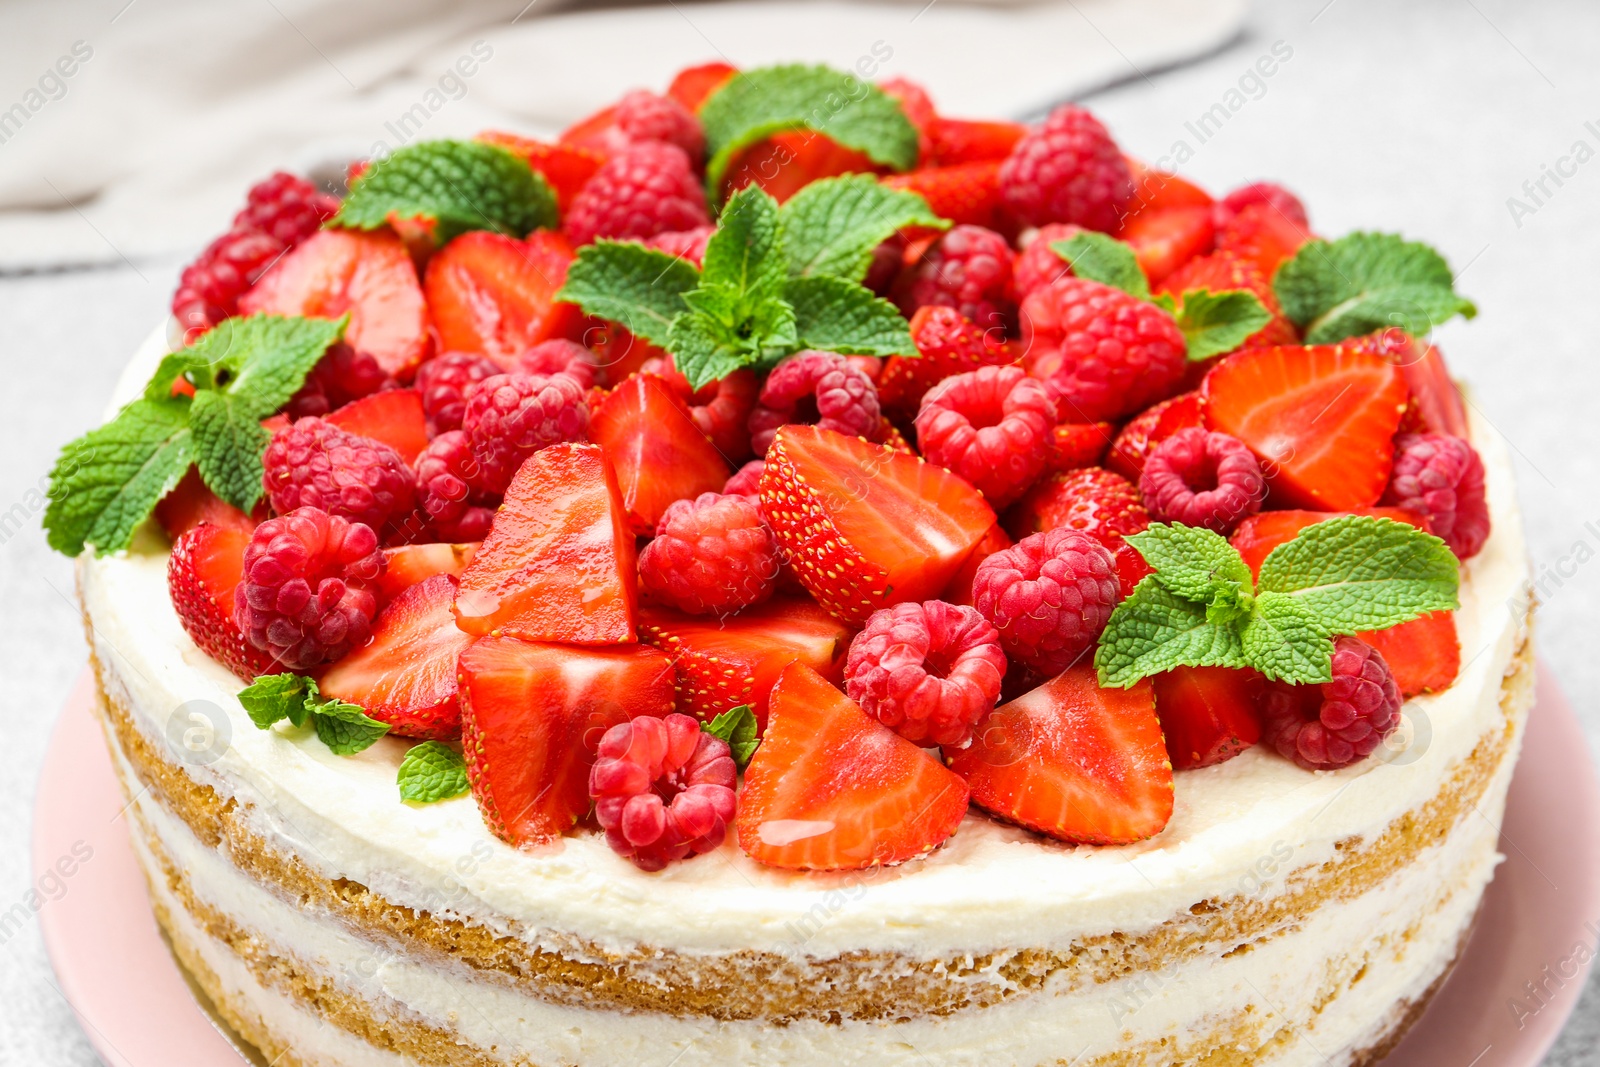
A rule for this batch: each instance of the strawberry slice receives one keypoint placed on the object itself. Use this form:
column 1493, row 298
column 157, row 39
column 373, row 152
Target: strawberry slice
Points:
column 1321, row 418
column 1074, row 761
column 1165, row 240
column 949, row 343
column 1079, row 444
column 393, row 416
column 1094, row 501
column 833, row 789
column 565, row 167
column 691, row 86
column 406, row 675
column 1436, row 405
column 369, row 275
column 787, row 162
column 866, row 526
column 559, row 562
column 592, row 133
column 957, row 141
column 190, row 503
column 495, row 295
column 619, row 354
column 659, row 454
column 1263, row 235
column 959, row 591
column 1143, row 433
column 724, row 663
column 202, row 573
column 406, row 565
column 1208, row 714
column 966, row 193
column 1159, row 190
column 532, row 716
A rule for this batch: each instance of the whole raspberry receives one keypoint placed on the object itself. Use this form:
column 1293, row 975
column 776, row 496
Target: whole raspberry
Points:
column 304, row 596
column 1270, row 193
column 689, row 245
column 1442, row 477
column 1332, row 725
column 443, row 382
column 815, row 387
column 509, row 417
column 1202, row 478
column 445, row 473
column 343, row 374
column 663, row 789
column 644, row 190
column 1038, row 264
column 927, row 671
column 286, row 207
column 210, row 287
column 746, row 481
column 1101, row 353
column 312, row 463
column 1094, row 501
column 992, row 427
column 645, row 116
column 968, row 269
column 712, row 555
column 1068, row 169
column 560, row 356
column 1050, row 595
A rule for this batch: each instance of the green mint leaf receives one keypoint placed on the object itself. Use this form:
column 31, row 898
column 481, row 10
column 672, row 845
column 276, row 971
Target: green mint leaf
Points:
column 1214, row 323
column 1365, row 282
column 756, row 104
column 638, row 287
column 1155, row 630
column 272, row 698
column 270, row 356
column 458, row 185
column 833, row 225
column 430, row 772
column 1106, row 260
column 840, row 316
column 737, row 726
column 1193, row 562
column 1284, row 640
column 1357, row 573
column 745, row 256
column 344, row 727
column 228, row 443
column 705, row 348
column 107, row 482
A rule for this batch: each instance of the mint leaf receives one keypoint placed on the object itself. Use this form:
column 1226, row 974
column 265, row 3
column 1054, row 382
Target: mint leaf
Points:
column 744, row 257
column 737, row 726
column 344, row 727
column 756, row 104
column 269, row 355
column 1191, row 561
column 1365, row 282
column 272, row 698
column 228, row 443
column 430, row 772
column 1214, row 323
column 1106, row 260
column 458, row 185
column 1155, row 630
column 840, row 316
column 705, row 348
column 1283, row 639
column 833, row 225
column 640, row 288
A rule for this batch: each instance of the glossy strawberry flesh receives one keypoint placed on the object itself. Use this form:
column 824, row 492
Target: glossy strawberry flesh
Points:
column 959, row 591
column 957, row 141
column 1165, row 240
column 1208, row 714
column 393, row 416
column 1142, row 434
column 785, row 163
column 190, row 503
column 1435, row 405
column 691, row 86
column 203, row 571
column 495, row 295
column 565, row 167
column 406, row 565
column 968, row 193
column 1156, row 190
column 659, row 454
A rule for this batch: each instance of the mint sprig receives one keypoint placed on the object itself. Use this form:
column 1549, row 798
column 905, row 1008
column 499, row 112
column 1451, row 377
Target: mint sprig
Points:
column 457, row 186
column 432, row 771
column 344, row 727
column 640, row 288
column 1365, row 282
column 737, row 726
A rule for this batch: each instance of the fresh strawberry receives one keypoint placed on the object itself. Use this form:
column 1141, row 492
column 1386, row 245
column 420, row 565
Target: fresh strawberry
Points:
column 369, row 275
column 959, row 591
column 1264, row 235
column 919, row 111
column 406, row 565
column 691, row 86
column 495, row 295
column 950, row 344
column 1157, row 190
column 785, row 163
column 406, row 676
column 532, row 716
column 1074, row 761
column 618, row 353
column 565, row 167
column 1435, row 405
column 866, row 526
column 203, row 571
column 1079, row 444
column 965, row 193
column 722, row 663
column 1139, row 437
column 659, row 454
column 1208, row 714
column 958, row 141
column 1321, row 418
column 190, row 503
column 1165, row 240
column 393, row 416
column 594, row 133
column 559, row 562
column 1094, row 501
column 1221, row 271
column 831, row 788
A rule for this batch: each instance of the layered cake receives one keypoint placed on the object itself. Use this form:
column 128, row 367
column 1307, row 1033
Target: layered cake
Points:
column 781, row 575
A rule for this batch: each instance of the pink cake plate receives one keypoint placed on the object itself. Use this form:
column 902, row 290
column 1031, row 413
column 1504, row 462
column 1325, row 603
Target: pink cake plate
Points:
column 1540, row 918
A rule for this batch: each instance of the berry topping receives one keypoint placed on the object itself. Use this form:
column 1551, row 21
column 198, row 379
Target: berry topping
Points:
column 973, row 141
column 560, row 356
column 1074, row 445
column 393, row 417
column 992, row 427
column 1165, row 240
column 1221, row 271
column 343, row 374
column 660, row 456
column 286, row 208
column 949, row 343
column 1038, row 264
column 644, row 190
column 1093, row 501
column 1262, row 234
column 968, row 269
column 495, row 295
column 712, row 555
column 1208, row 714
column 445, row 474
column 1068, row 169
column 1271, row 194
column 642, row 116
column 1202, row 478
column 509, row 417
column 968, row 193
column 1049, row 595
column 746, row 481
column 406, row 565
column 1340, row 722
column 663, row 790
column 1139, row 437
column 313, row 463
column 1441, row 478
column 203, row 571
column 687, row 245
column 443, row 382
column 815, row 387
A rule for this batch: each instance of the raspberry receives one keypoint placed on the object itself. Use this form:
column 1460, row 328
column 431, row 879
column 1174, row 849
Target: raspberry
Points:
column 721, row 409
column 645, row 116
column 509, row 417
column 558, row 356
column 689, row 245
column 445, row 471
column 1038, row 264
column 817, row 387
column 711, row 556
column 340, row 376
column 746, row 481
column 646, row 189
column 304, row 597
column 663, row 789
column 1067, row 170
column 443, row 382
column 968, row 269
column 1332, row 725
column 1442, row 477
column 312, row 463
column 927, row 671
column 887, row 259
column 1202, row 478
column 992, row 427
column 285, row 207
column 1101, row 353
column 1049, row 595
column 1270, row 193
column 1094, row 501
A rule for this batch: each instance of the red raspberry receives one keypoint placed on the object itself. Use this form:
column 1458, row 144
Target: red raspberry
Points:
column 509, row 417
column 644, row 190
column 1202, row 478
column 312, row 463
column 1067, row 170
column 287, row 208
column 1270, row 193
column 443, row 382
column 445, row 471
column 687, row 245
column 642, row 116
column 1340, row 722
column 304, row 596
column 663, row 789
column 342, row 375
column 1094, row 501
column 746, row 481
column 1049, row 595
column 210, row 287
column 1038, row 264
column 927, row 671
column 817, row 387
column 1101, row 353
column 968, row 269
column 711, row 556
column 1442, row 477
column 992, row 427
column 559, row 356
column 887, row 259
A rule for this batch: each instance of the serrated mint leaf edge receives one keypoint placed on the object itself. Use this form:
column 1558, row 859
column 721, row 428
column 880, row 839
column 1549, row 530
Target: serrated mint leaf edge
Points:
column 1124, row 656
column 665, row 278
column 833, row 225
column 1301, row 281
column 1098, row 257
column 430, row 772
column 228, row 446
column 371, row 202
column 1206, row 340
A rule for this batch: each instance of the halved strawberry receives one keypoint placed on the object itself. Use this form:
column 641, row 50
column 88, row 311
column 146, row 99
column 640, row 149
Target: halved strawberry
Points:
column 559, row 562
column 565, row 167
column 1321, row 418
column 659, row 454
column 1079, row 444
column 959, row 591
column 1155, row 424
column 393, row 416
column 866, row 526
column 724, row 663
column 619, row 354
column 1165, row 240
column 202, row 573
column 1074, row 761
column 1094, row 501
column 593, row 133
column 1208, row 714
column 532, row 716
column 190, row 503
column 406, row 565
column 787, row 162
column 1158, row 190
column 1264, row 235
column 495, row 295
column 831, row 788
column 949, row 343
column 692, row 85
column 1435, row 405
column 406, row 675
column 965, row 193
column 957, row 141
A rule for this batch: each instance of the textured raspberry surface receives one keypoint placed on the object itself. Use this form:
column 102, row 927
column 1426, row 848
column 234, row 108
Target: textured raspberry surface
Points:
column 305, row 597
column 1094, row 501
column 644, row 190
column 645, row 116
column 746, row 481
column 712, row 555
column 722, row 412
column 968, row 269
column 1340, row 722
column 927, row 671
column 663, row 789
column 1442, row 477
column 312, row 463
column 443, row 383
column 509, row 417
column 1202, row 478
column 815, row 387
column 560, row 356
column 1049, row 595
column 1269, row 193
column 342, row 375
column 1068, row 169
column 1038, row 264
column 285, row 207
column 444, row 489
column 992, row 427
column 684, row 244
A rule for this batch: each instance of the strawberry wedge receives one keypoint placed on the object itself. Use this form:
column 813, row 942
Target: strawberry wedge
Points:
column 657, row 451
column 495, row 295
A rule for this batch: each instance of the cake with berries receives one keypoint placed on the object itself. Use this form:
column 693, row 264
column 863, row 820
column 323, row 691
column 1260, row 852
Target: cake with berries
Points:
column 782, row 575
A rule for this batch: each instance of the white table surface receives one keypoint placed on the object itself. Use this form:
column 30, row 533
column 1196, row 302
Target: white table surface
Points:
column 1423, row 117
